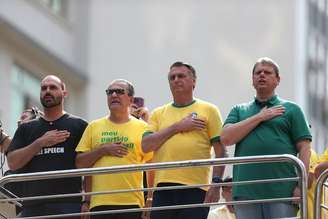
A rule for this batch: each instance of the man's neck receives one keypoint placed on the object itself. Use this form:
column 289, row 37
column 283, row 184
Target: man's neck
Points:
column 264, row 96
column 119, row 117
column 53, row 113
column 183, row 100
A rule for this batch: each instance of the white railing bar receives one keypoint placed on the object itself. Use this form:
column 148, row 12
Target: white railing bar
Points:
column 325, row 207
column 13, row 200
column 146, row 189
column 318, row 194
column 170, row 165
column 169, row 207
column 148, row 166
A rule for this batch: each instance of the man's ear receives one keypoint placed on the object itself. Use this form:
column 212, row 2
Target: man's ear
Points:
column 65, row 93
column 131, row 99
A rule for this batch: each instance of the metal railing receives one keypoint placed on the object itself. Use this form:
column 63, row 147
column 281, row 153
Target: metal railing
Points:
column 319, row 193
column 301, row 179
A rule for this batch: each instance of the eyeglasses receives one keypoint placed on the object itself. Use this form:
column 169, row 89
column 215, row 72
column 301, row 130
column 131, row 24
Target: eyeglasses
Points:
column 117, row 91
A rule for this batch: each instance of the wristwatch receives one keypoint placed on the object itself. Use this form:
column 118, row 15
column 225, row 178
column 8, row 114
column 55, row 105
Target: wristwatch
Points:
column 217, row 179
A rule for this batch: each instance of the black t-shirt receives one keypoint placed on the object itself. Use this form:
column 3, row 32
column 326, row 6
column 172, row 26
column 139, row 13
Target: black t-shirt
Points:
column 56, row 157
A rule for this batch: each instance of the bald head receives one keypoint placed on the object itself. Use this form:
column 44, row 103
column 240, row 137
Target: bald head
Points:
column 54, row 78
column 52, row 92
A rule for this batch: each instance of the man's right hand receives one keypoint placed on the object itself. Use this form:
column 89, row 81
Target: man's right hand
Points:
column 53, row 137
column 189, row 123
column 114, row 149
column 269, row 113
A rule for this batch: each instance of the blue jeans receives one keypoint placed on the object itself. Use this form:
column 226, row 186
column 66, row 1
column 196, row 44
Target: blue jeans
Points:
column 51, row 208
column 265, row 210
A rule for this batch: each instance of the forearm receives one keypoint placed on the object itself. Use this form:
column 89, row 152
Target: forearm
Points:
column 87, row 187
column 233, row 133
column 88, row 159
column 154, row 141
column 5, row 144
column 20, row 157
column 220, row 152
column 304, row 154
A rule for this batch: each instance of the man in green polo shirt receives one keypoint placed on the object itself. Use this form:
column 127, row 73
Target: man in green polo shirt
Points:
column 268, row 125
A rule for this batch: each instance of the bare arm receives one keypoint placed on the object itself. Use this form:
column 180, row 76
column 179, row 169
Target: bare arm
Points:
column 320, row 168
column 233, row 133
column 20, row 157
column 304, row 153
column 87, row 183
column 213, row 194
column 88, row 159
column 5, row 144
column 154, row 141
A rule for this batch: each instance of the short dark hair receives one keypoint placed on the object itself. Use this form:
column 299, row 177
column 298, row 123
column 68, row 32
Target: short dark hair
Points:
column 180, row 64
column 267, row 61
column 128, row 83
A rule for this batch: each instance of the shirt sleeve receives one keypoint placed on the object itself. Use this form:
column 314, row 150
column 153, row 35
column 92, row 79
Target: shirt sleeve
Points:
column 299, row 126
column 233, row 116
column 214, row 124
column 153, row 123
column 324, row 156
column 85, row 141
column 18, row 140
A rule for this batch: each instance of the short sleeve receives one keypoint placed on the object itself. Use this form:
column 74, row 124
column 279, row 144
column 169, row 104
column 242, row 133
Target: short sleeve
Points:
column 85, row 141
column 18, row 139
column 153, row 123
column 214, row 124
column 233, row 116
column 299, row 126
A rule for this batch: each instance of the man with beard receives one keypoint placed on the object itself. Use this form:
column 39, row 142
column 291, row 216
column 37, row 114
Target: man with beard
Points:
column 47, row 144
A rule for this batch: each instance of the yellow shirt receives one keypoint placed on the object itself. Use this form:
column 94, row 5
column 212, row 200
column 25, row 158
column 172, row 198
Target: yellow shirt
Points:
column 188, row 145
column 314, row 159
column 103, row 131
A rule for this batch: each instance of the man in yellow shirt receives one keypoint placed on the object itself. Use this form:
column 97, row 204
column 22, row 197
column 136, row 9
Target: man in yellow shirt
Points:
column 184, row 130
column 114, row 140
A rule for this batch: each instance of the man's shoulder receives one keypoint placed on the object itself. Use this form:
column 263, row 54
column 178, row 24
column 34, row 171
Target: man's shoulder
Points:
column 205, row 103
column 99, row 121
column 288, row 103
column 244, row 105
column 75, row 120
column 163, row 107
column 74, row 117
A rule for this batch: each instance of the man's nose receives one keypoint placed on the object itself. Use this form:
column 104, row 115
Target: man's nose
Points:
column 114, row 94
column 175, row 78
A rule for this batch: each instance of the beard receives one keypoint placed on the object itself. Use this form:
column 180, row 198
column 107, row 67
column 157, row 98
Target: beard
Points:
column 50, row 102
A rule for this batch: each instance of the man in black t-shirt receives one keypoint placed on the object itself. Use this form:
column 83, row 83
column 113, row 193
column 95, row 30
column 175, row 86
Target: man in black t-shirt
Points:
column 47, row 144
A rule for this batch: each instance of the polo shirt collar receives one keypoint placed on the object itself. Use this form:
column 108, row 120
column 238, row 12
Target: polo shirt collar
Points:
column 271, row 102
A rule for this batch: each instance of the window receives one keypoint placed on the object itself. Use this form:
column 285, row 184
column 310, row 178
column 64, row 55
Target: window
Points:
column 25, row 93
column 58, row 7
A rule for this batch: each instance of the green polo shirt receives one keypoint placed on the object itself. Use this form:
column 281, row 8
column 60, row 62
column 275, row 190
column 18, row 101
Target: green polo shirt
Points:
column 275, row 136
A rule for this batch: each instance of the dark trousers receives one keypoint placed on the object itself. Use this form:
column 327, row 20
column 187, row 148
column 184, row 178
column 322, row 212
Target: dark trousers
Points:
column 51, row 208
column 130, row 215
column 179, row 197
